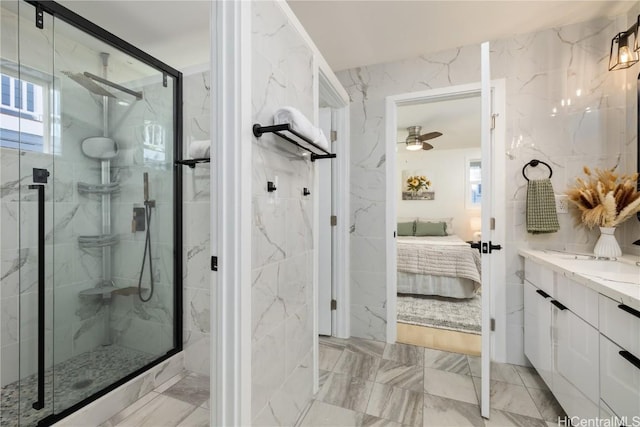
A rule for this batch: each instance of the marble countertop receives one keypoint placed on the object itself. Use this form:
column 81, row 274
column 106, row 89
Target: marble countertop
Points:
column 626, row 291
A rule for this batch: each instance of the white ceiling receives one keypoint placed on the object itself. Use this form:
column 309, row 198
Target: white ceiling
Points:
column 348, row 33
column 458, row 119
column 356, row 33
column 176, row 32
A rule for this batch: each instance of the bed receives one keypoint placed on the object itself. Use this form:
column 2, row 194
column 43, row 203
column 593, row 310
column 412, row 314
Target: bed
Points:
column 445, row 266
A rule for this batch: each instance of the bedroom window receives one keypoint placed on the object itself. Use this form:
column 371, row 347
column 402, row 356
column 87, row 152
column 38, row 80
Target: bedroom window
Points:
column 474, row 184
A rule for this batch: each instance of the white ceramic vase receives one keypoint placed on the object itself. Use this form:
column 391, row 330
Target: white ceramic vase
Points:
column 607, row 246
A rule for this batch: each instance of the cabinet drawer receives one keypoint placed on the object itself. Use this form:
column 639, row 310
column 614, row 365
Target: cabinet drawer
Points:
column 537, row 331
column 620, row 380
column 574, row 403
column 577, row 355
column 541, row 277
column 578, row 298
column 619, row 325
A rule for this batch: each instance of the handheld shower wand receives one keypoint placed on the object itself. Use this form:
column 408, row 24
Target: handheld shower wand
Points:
column 148, row 204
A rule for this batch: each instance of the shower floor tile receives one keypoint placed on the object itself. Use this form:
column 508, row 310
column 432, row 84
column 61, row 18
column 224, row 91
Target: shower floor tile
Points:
column 74, row 380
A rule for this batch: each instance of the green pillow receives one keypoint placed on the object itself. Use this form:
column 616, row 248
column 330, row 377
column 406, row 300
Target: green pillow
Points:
column 431, row 229
column 406, row 228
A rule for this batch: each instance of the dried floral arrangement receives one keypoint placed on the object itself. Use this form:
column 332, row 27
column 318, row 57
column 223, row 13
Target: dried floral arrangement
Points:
column 417, row 183
column 605, row 198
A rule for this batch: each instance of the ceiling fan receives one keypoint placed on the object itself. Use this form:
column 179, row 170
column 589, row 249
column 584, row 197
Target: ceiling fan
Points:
column 415, row 141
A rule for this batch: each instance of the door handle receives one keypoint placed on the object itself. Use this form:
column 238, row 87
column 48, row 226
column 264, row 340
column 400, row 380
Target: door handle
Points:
column 630, row 358
column 629, row 310
column 493, row 247
column 40, row 177
column 558, row 304
column 543, row 293
column 477, row 246
column 486, row 247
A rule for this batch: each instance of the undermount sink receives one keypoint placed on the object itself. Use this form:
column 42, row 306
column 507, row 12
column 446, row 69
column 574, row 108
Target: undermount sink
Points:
column 607, row 269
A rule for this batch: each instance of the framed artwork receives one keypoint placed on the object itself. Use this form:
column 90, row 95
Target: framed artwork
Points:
column 415, row 186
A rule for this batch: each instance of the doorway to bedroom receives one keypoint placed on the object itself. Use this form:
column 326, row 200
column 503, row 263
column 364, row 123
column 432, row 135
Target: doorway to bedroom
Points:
column 438, row 210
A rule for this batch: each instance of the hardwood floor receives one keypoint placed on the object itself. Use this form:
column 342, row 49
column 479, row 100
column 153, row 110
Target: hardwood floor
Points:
column 440, row 339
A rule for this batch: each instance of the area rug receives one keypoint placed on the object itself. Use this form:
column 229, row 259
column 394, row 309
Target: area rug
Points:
column 463, row 315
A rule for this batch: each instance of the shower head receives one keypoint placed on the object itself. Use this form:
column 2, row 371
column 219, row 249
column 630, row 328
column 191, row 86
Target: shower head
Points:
column 88, row 81
column 88, row 84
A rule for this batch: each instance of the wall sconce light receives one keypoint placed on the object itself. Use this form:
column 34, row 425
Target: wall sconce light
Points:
column 621, row 55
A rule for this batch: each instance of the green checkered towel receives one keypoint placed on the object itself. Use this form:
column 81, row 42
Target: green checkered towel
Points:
column 541, row 207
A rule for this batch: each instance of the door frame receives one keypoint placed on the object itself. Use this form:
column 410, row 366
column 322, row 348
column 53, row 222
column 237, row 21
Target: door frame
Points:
column 497, row 299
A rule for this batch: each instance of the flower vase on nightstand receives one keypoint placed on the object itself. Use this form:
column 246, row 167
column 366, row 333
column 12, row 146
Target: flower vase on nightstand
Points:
column 607, row 246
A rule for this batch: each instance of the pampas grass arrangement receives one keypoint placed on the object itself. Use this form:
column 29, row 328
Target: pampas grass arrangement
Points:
column 604, row 198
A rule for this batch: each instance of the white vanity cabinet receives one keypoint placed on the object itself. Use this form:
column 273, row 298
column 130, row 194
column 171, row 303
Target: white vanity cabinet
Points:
column 584, row 345
column 620, row 357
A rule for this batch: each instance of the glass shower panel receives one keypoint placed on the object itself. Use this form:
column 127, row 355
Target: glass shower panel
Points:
column 115, row 304
column 32, row 101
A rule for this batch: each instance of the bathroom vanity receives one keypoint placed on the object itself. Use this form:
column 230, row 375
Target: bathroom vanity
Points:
column 582, row 331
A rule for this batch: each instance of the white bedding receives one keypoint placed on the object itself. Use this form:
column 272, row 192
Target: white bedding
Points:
column 445, row 266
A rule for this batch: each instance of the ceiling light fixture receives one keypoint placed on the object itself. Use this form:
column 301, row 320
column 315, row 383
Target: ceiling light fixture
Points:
column 621, row 55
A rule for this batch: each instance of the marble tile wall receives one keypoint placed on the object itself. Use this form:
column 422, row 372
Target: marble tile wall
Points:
column 541, row 70
column 197, row 282
column 282, row 240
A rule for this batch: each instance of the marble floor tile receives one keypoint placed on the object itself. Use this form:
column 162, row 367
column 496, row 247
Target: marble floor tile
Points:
column 404, row 353
column 372, row 421
column 324, row 414
column 547, row 404
column 410, row 377
column 322, row 378
column 357, row 364
column 160, row 412
column 334, row 342
column 370, row 347
column 531, row 378
column 499, row 371
column 510, row 398
column 396, row 404
column 346, row 391
column 192, row 389
column 440, row 411
column 171, row 381
column 446, row 361
column 198, row 418
column 450, row 385
column 499, row 418
column 126, row 412
column 328, row 356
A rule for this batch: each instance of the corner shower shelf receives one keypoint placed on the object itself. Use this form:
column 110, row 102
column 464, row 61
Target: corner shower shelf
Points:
column 84, row 188
column 100, row 241
column 303, row 142
column 192, row 162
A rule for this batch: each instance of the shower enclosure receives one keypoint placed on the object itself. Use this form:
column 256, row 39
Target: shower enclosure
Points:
column 90, row 212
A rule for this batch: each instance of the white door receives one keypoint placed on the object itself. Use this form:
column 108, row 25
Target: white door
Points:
column 487, row 214
column 325, row 232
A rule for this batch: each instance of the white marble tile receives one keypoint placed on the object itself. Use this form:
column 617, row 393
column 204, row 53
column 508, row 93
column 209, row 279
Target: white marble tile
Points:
column 268, row 352
column 368, row 322
column 161, row 411
column 397, row 404
column 298, row 339
column 448, row 412
column 449, row 385
column 346, row 391
column 510, row 398
column 324, row 414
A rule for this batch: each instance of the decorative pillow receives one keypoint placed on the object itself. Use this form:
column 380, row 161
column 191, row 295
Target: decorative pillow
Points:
column 406, row 228
column 448, row 222
column 431, row 228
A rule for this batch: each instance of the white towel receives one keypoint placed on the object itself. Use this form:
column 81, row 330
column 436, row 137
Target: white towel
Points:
column 200, row 149
column 301, row 124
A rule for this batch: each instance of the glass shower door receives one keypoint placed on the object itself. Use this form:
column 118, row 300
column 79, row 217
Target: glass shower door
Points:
column 89, row 207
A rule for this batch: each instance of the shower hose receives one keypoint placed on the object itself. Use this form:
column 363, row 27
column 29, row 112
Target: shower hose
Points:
column 147, row 250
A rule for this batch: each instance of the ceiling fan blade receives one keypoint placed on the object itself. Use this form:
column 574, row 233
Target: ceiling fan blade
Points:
column 426, row 146
column 430, row 135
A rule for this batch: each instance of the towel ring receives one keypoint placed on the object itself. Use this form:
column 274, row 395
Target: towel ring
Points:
column 534, row 163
